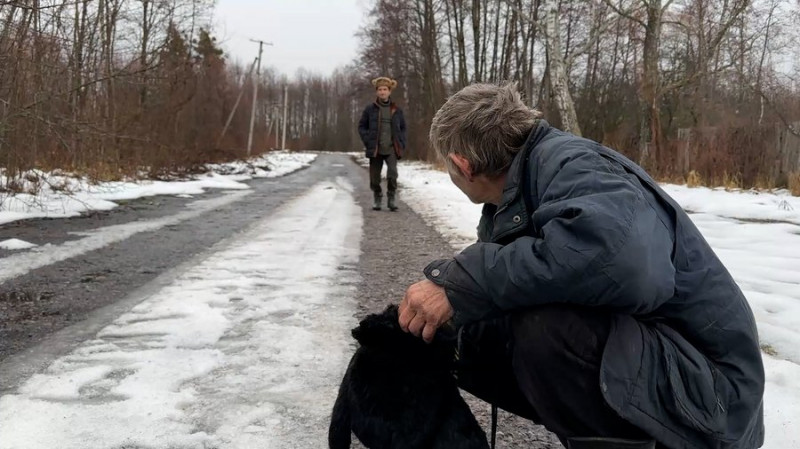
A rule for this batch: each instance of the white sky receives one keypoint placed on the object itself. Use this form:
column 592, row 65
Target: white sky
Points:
column 317, row 35
column 245, row 348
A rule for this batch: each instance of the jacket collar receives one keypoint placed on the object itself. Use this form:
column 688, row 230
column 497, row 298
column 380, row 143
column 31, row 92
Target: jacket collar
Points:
column 392, row 105
column 513, row 215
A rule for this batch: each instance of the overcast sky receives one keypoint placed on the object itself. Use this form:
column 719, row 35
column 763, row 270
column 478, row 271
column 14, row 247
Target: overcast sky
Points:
column 315, row 34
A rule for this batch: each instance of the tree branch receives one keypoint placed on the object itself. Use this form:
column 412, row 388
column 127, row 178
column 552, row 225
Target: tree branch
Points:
column 786, row 123
column 625, row 14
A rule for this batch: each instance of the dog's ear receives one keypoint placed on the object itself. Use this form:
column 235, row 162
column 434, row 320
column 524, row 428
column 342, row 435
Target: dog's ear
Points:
column 378, row 327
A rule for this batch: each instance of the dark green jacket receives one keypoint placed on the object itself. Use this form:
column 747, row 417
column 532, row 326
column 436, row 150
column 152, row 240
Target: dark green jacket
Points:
column 582, row 224
column 369, row 129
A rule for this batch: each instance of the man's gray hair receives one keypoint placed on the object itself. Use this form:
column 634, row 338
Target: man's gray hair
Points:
column 487, row 124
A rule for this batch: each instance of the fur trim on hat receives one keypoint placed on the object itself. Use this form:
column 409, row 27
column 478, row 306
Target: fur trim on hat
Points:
column 384, row 81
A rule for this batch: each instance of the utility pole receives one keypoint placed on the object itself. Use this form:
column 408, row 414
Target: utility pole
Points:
column 285, row 103
column 269, row 128
column 277, row 123
column 255, row 93
column 236, row 104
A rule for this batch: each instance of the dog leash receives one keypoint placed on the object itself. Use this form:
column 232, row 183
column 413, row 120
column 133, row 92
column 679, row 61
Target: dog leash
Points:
column 455, row 374
column 494, row 424
column 457, row 355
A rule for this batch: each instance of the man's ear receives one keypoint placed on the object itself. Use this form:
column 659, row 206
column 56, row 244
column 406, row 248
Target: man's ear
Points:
column 463, row 165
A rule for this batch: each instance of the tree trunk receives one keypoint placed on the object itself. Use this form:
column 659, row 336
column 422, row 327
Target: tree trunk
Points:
column 451, row 39
column 146, row 25
column 476, row 37
column 559, row 81
column 463, row 74
column 495, row 49
column 649, row 125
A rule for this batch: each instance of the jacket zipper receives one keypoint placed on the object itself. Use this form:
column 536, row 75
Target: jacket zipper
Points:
column 378, row 137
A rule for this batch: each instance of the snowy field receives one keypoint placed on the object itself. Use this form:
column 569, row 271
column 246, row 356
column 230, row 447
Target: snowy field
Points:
column 217, row 360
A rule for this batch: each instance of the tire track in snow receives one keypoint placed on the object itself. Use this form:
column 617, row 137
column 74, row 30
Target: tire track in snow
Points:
column 19, row 264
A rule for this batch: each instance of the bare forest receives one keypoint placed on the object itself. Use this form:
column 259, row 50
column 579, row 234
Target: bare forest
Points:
column 697, row 91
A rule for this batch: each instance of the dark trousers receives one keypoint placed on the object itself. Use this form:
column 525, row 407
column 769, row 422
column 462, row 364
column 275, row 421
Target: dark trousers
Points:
column 375, row 167
column 544, row 365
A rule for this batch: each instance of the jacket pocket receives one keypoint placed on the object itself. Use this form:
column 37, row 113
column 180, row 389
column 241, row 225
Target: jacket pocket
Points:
column 692, row 385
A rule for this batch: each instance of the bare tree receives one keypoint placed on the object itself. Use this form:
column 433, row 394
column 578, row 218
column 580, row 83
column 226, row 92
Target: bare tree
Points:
column 558, row 78
column 110, row 86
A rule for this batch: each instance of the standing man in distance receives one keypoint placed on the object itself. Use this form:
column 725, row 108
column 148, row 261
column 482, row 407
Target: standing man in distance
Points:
column 383, row 131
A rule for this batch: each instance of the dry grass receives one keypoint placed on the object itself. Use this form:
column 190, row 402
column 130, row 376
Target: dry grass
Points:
column 670, row 178
column 693, row 179
column 794, row 183
column 732, row 182
column 768, row 349
column 103, row 171
column 765, row 182
column 14, row 185
column 439, row 165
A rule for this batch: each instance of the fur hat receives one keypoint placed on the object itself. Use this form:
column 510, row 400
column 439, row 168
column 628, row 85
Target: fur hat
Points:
column 384, row 81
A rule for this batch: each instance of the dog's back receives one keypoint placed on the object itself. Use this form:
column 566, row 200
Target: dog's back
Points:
column 398, row 393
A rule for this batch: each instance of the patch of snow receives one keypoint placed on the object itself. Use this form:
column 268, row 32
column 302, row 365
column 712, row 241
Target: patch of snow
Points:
column 13, row 244
column 63, row 196
column 778, row 205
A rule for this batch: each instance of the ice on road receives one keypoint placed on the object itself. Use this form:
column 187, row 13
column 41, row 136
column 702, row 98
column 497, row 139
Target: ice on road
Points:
column 243, row 350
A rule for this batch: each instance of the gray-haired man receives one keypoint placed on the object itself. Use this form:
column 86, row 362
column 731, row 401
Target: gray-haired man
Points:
column 591, row 303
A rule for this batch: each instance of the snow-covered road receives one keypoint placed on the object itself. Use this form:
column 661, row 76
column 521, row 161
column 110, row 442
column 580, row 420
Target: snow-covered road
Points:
column 242, row 350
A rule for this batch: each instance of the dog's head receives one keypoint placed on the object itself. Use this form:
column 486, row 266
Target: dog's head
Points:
column 381, row 331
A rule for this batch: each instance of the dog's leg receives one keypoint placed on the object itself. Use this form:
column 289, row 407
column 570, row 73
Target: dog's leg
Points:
column 339, row 430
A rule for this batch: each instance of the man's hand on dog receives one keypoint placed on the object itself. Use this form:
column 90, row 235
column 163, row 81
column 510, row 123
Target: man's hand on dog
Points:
column 424, row 309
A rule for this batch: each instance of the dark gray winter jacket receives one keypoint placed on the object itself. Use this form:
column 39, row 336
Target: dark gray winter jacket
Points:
column 369, row 129
column 582, row 224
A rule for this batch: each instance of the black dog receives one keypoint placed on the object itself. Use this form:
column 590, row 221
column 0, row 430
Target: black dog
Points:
column 398, row 392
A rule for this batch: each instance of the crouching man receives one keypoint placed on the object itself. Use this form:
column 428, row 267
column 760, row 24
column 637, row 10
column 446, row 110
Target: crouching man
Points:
column 591, row 303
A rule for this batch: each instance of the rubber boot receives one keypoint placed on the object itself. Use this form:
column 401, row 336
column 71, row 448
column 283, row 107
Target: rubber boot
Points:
column 377, row 197
column 390, row 202
column 609, row 443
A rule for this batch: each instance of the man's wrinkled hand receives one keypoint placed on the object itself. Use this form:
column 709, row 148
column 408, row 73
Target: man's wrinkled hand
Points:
column 424, row 309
